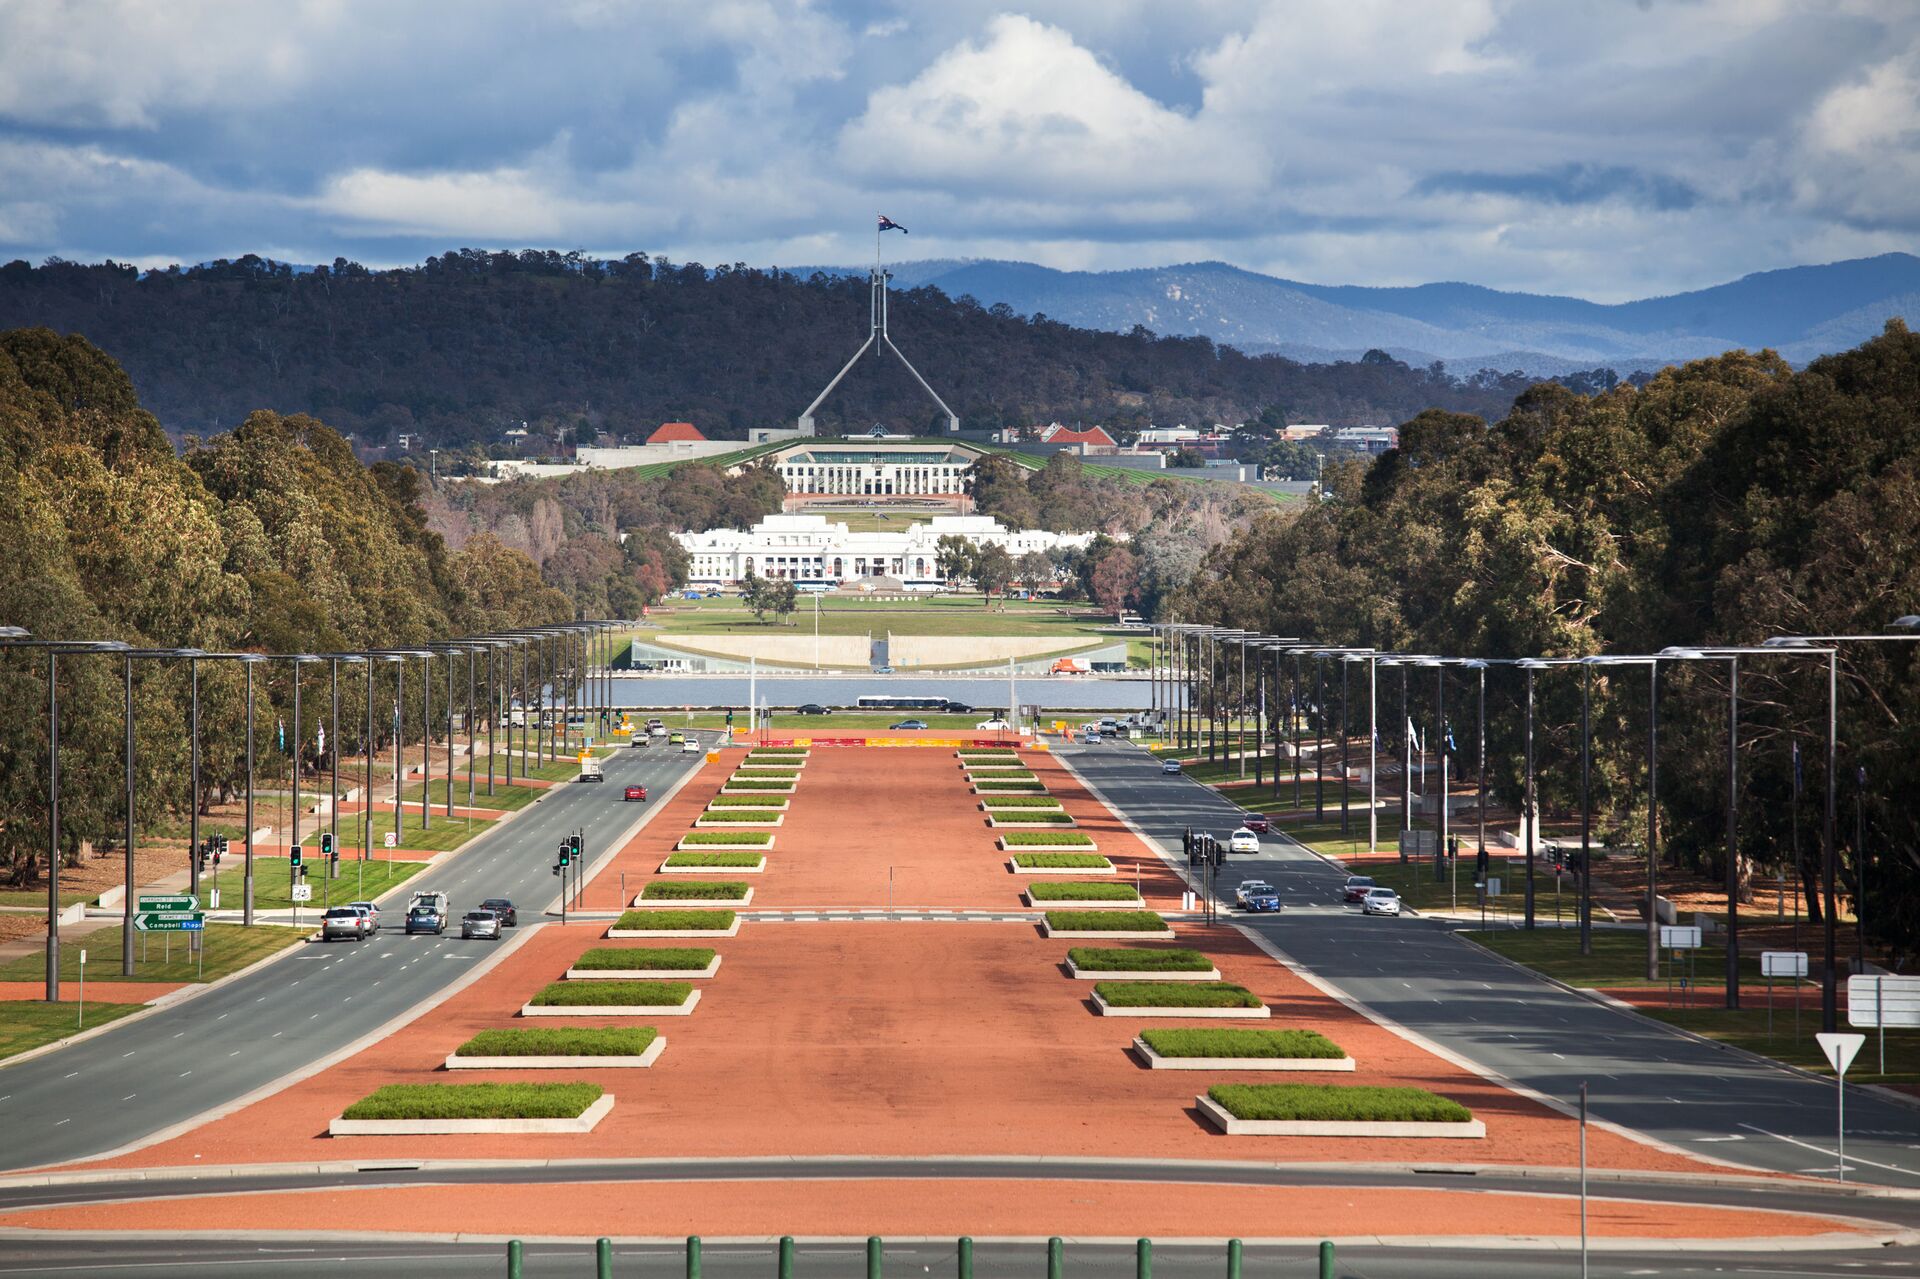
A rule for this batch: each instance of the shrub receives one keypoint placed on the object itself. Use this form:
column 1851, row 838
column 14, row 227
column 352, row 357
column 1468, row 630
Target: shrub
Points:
column 1061, row 861
column 759, row 774
column 1019, row 801
column 476, row 1101
column 1033, row 817
column 677, row 889
column 986, row 784
column 1337, row 1102
column 1176, row 994
column 1002, row 775
column 727, row 837
column 677, row 920
column 613, row 994
column 737, row 782
column 715, row 861
column 580, row 1041
column 741, row 814
column 616, row 958
column 1105, row 921
column 988, row 752
column 1015, row 838
column 777, row 752
column 1077, row 890
column 742, row 801
column 1243, row 1043
column 1138, row 959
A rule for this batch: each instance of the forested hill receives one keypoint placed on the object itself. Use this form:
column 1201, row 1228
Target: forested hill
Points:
column 471, row 342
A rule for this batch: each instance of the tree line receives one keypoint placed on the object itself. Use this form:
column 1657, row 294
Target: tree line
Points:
column 1717, row 504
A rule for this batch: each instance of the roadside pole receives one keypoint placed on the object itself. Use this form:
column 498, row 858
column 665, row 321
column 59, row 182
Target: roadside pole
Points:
column 1583, row 1179
column 82, row 1019
column 1840, row 1050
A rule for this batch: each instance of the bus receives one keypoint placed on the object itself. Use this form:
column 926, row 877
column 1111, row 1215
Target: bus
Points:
column 876, row 702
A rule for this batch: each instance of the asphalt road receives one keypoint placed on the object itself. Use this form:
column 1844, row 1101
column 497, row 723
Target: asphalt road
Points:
column 144, row 1076
column 1640, row 1074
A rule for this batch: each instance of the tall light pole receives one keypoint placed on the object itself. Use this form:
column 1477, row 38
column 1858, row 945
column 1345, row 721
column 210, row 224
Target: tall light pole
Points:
column 127, row 656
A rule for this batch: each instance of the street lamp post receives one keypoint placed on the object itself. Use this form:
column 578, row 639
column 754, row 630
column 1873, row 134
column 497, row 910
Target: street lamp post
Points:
column 127, row 656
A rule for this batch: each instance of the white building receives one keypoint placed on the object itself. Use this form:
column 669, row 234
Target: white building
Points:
column 810, row 550
column 872, row 468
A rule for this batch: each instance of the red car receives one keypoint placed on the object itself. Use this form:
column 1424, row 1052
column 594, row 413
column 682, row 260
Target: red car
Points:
column 1355, row 889
column 636, row 792
column 1257, row 823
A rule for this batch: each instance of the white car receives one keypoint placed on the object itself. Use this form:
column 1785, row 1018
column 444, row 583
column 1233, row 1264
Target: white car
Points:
column 994, row 725
column 1243, row 841
column 1380, row 901
column 690, row 747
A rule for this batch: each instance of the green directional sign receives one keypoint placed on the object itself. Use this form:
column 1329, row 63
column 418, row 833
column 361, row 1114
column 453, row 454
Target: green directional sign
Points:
column 169, row 901
column 169, row 921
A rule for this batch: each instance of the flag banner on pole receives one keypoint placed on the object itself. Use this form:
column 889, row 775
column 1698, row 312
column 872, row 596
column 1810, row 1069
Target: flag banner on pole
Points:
column 888, row 224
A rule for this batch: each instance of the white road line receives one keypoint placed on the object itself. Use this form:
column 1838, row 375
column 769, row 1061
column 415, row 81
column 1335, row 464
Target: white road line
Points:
column 1794, row 1141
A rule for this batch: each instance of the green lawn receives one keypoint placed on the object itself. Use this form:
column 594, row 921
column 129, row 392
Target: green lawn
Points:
column 1747, row 1029
column 272, row 880
column 230, row 947
column 1619, row 957
column 937, row 615
column 25, row 1024
column 560, row 770
column 442, row 832
column 503, row 797
column 1417, row 887
column 38, row 897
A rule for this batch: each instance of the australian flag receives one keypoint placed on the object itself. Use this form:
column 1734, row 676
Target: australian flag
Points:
column 888, row 224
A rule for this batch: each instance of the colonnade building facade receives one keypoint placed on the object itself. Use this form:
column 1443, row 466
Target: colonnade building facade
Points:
column 814, row 552
column 861, row 468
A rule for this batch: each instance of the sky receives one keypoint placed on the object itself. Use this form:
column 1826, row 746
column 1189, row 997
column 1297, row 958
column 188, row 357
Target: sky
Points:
column 1607, row 149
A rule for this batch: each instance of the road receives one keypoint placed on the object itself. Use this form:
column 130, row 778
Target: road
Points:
column 145, row 1076
column 1640, row 1074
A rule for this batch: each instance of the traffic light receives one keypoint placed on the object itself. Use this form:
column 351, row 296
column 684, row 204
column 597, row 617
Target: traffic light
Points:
column 574, row 841
column 566, row 851
column 330, row 851
column 296, row 859
column 729, row 717
column 219, row 848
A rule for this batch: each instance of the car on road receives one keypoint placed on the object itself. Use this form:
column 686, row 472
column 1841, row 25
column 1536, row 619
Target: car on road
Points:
column 1091, row 737
column 373, row 914
column 811, row 708
column 959, row 708
column 343, row 923
column 1380, row 901
column 993, row 725
column 654, row 721
column 637, row 792
column 426, row 918
column 1170, row 766
column 1243, row 841
column 691, row 746
column 910, row 723
column 884, row 670
column 1257, row 895
column 502, row 907
column 1108, row 724
column 1355, row 889
column 1256, row 822
column 674, row 739
column 480, row 923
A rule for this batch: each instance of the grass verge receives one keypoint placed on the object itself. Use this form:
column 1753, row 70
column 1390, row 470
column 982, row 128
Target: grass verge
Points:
column 731, row 814
column 581, row 1041
column 681, row 889
column 1018, row 838
column 620, row 958
column 230, row 947
column 1062, row 861
column 613, row 994
column 1031, row 817
column 740, row 801
column 689, row 921
column 1105, row 921
column 509, row 798
column 272, row 881
column 714, row 861
column 1175, row 994
column 986, row 785
column 727, row 837
column 441, row 834
column 1080, row 890
column 1243, row 1043
column 739, row 783
column 1337, row 1102
column 1138, row 959
column 1618, row 959
column 26, row 1024
column 1020, row 802
column 476, row 1101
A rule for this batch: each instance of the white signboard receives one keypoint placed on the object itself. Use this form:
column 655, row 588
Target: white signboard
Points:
column 1680, row 936
column 390, row 841
column 1493, row 885
column 1840, row 1050
column 1875, row 999
column 1783, row 963
column 303, row 892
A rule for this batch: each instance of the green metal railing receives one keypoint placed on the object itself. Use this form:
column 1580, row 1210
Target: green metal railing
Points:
column 963, row 1256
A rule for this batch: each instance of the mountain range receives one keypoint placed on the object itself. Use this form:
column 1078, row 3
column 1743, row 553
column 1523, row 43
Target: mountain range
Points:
column 1801, row 312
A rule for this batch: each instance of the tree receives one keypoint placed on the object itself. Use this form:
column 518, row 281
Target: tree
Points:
column 785, row 597
column 1186, row 458
column 953, row 557
column 1035, row 570
column 992, row 570
column 1116, row 580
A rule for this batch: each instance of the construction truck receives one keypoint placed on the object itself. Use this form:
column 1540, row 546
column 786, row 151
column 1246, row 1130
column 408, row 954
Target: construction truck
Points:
column 590, row 770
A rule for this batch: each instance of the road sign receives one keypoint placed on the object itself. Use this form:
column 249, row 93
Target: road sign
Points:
column 1840, row 1049
column 1680, row 936
column 302, row 892
column 169, row 921
column 390, row 841
column 1876, row 999
column 171, row 901
column 1783, row 963
column 1493, row 885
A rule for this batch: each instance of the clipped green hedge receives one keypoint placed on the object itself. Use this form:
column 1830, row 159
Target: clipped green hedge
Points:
column 619, row 958
column 605, row 994
column 988, row 752
column 1079, row 890
column 1176, row 994
column 727, row 837
column 667, row 890
column 579, row 1041
column 1030, row 817
column 1019, row 801
column 1138, row 959
column 476, row 1101
column 764, row 774
column 1015, row 838
column 741, row 801
column 986, row 784
column 782, row 787
column 1105, row 921
column 741, row 814
column 1349, row 1102
column 715, row 861
column 1061, row 861
column 1002, row 775
column 676, row 920
column 777, row 752
column 1243, row 1043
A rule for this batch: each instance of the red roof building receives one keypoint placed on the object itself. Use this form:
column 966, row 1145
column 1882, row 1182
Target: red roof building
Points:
column 675, row 432
column 1094, row 435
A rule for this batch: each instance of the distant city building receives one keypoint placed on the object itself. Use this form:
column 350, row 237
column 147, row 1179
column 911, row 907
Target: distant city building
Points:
column 1369, row 439
column 1305, row 431
column 885, row 467
column 810, row 550
column 1087, row 440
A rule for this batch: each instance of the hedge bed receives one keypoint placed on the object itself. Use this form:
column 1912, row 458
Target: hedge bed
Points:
column 769, row 802
column 1028, row 817
column 766, row 773
column 732, row 815
column 990, row 786
column 1072, row 891
column 614, row 994
column 779, row 753
column 1020, row 801
column 988, row 752
column 696, row 890
column 1060, row 861
column 649, row 923
column 746, row 861
column 575, row 1041
column 1046, row 839
column 1175, row 994
column 725, row 838
column 737, row 785
column 1137, row 959
column 690, row 959
column 1192, row 1042
column 993, row 774
column 476, row 1101
column 1111, row 923
column 1349, row 1103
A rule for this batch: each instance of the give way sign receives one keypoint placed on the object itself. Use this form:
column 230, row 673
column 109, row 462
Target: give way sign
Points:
column 1840, row 1049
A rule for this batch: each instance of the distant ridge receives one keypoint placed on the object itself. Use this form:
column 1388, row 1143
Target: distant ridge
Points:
column 1802, row 312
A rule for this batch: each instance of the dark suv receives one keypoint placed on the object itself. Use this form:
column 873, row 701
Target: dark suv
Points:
column 426, row 919
column 503, row 908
